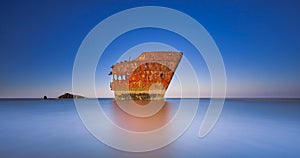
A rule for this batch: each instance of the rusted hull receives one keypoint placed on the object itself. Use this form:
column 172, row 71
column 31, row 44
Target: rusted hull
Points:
column 145, row 78
column 138, row 95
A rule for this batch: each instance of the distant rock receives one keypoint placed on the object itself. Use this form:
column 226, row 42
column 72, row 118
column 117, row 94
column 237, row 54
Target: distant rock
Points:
column 70, row 96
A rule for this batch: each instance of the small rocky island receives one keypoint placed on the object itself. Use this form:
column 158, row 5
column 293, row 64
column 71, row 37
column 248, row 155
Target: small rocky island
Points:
column 70, row 96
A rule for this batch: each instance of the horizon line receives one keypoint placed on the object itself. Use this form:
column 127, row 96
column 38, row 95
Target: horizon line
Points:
column 226, row 98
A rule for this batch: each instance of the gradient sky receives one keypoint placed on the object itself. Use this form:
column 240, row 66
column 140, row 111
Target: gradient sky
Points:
column 259, row 43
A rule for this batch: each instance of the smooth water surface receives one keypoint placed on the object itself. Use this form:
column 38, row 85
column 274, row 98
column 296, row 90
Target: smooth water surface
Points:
column 246, row 128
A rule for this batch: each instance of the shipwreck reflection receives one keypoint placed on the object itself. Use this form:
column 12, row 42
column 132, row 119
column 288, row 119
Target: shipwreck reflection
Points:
column 141, row 124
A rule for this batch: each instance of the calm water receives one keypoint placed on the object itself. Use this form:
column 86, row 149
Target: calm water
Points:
column 52, row 128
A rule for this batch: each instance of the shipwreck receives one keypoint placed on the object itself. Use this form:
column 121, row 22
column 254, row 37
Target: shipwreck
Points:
column 145, row 78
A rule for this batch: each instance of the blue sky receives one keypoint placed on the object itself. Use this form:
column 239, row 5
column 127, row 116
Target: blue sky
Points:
column 259, row 43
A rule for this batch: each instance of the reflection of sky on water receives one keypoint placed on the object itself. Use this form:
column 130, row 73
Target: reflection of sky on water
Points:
column 52, row 128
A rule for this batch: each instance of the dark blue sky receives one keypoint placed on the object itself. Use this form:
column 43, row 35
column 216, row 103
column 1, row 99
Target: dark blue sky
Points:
column 259, row 42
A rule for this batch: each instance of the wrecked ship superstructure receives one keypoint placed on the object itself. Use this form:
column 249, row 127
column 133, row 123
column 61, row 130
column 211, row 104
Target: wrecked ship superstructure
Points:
column 145, row 78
